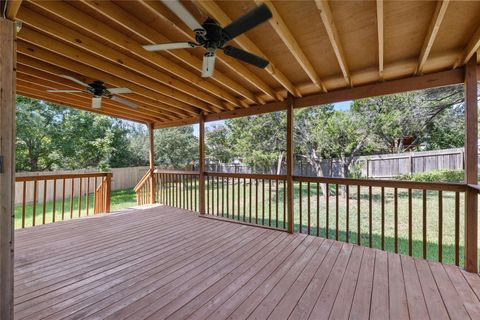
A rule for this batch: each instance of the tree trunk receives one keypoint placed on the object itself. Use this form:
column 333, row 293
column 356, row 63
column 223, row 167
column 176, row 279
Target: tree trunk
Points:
column 279, row 163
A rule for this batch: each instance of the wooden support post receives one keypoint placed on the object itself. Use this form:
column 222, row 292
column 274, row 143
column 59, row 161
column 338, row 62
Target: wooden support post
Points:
column 108, row 191
column 152, row 163
column 289, row 160
column 201, row 166
column 7, row 164
column 471, row 163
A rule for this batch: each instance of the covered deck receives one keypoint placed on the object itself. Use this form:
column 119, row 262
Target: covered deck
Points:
column 161, row 262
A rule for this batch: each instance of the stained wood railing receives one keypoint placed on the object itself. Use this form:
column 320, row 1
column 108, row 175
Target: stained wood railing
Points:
column 412, row 218
column 143, row 188
column 50, row 198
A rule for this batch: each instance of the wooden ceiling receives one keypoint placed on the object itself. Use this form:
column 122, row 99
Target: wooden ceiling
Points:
column 313, row 46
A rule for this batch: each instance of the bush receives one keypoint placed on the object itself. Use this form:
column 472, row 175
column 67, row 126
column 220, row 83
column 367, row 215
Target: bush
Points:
column 436, row 176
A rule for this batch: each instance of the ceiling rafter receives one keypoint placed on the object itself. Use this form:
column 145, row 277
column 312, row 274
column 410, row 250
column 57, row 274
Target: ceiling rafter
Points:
column 243, row 41
column 150, row 36
column 12, row 8
column 380, row 29
column 162, row 12
column 330, row 27
column 51, row 71
column 92, row 73
column 287, row 37
column 107, row 33
column 55, row 82
column 78, row 40
column 435, row 23
column 472, row 47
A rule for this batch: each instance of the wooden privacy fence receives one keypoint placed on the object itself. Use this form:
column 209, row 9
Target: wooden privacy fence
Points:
column 73, row 202
column 413, row 218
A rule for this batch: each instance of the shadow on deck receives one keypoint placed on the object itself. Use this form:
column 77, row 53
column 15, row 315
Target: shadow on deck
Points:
column 161, row 262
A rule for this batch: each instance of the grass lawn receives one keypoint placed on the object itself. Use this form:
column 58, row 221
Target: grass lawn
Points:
column 120, row 199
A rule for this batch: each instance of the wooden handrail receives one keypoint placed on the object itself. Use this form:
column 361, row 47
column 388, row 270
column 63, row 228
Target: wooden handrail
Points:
column 437, row 186
column 61, row 176
column 142, row 181
column 177, row 172
column 246, row 175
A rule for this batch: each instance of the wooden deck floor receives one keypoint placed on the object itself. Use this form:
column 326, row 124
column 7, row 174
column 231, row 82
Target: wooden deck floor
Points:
column 161, row 262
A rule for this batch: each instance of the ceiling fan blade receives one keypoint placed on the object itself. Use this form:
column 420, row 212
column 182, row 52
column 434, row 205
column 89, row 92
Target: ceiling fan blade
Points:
column 169, row 46
column 177, row 7
column 67, row 91
column 208, row 64
column 245, row 56
column 96, row 102
column 75, row 80
column 124, row 101
column 119, row 90
column 248, row 21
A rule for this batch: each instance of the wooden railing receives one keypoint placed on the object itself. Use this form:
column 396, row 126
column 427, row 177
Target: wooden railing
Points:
column 412, row 218
column 143, row 188
column 50, row 198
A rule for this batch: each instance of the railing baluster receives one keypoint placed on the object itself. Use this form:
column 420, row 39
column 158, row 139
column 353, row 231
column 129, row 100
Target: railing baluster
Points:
column 370, row 214
column 34, row 213
column 239, row 212
column 269, row 202
column 359, row 230
column 54, row 207
column 440, row 226
column 347, row 211
column 208, row 193
column 233, row 198
column 308, row 208
column 457, row 228
column 256, row 200
column 336, row 212
column 72, row 188
column 80, row 198
column 227, row 199
column 284, row 204
column 424, row 223
column 300, row 223
column 276, row 203
column 327, row 210
column 44, row 214
column 24, row 196
column 218, row 198
column 263, row 202
column 395, row 217
column 409, row 222
column 318, row 209
column 250, row 200
column 223, row 197
column 382, row 219
column 87, row 200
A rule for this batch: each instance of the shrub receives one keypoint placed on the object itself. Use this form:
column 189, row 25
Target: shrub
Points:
column 442, row 175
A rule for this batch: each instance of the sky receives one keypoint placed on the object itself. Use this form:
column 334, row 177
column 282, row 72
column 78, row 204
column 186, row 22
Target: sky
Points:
column 345, row 105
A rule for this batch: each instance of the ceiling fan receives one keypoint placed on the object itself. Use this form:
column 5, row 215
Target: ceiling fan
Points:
column 98, row 90
column 211, row 36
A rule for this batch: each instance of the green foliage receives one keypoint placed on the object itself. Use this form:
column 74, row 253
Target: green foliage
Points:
column 436, row 176
column 176, row 148
column 217, row 145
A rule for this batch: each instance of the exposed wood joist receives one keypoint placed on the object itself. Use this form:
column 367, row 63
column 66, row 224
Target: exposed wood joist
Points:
column 380, row 28
column 472, row 47
column 149, row 106
column 213, row 10
column 25, row 74
column 329, row 23
column 111, row 35
column 439, row 79
column 287, row 37
column 163, row 13
column 12, row 8
column 95, row 74
column 150, row 36
column 435, row 23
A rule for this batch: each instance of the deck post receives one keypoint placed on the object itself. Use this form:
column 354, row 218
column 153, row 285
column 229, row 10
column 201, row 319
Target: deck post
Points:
column 201, row 165
column 289, row 160
column 152, row 163
column 471, row 164
column 7, row 164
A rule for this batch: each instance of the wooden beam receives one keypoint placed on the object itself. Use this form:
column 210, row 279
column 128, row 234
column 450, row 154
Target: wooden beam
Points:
column 86, row 22
column 160, row 11
column 472, row 47
column 435, row 23
column 290, row 165
column 380, row 28
column 201, row 165
column 214, row 11
column 151, row 162
column 287, row 37
column 12, row 8
column 471, row 164
column 329, row 23
column 7, row 165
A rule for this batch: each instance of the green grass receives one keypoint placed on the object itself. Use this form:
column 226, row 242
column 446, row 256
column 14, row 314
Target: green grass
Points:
column 120, row 199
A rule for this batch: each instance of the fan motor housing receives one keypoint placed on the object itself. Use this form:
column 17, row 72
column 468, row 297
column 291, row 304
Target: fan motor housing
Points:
column 213, row 37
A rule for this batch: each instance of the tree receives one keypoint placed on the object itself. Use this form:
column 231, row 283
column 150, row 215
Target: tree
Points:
column 176, row 148
column 217, row 145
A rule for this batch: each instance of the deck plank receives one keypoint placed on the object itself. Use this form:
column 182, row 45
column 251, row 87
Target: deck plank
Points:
column 162, row 262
